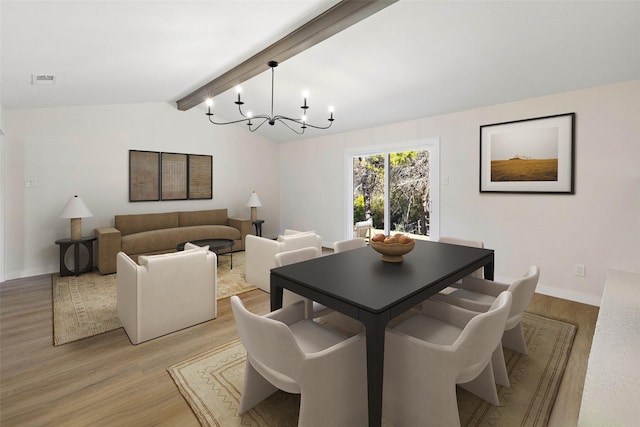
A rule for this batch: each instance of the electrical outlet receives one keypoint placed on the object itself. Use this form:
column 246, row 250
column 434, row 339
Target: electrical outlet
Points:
column 580, row 270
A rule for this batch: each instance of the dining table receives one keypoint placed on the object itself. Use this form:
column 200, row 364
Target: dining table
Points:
column 360, row 285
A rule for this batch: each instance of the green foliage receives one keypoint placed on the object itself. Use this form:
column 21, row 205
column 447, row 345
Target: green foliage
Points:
column 358, row 208
column 408, row 190
column 377, row 212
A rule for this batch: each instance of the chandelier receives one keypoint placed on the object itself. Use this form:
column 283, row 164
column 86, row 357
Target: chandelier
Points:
column 270, row 118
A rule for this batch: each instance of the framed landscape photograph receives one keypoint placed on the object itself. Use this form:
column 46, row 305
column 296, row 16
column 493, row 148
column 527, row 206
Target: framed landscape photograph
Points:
column 528, row 156
column 144, row 176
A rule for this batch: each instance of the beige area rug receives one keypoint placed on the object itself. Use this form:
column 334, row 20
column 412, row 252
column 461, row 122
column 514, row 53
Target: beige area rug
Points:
column 85, row 306
column 212, row 383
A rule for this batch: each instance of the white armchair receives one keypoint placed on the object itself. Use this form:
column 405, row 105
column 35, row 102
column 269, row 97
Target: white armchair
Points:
column 165, row 293
column 260, row 254
column 288, row 352
column 428, row 354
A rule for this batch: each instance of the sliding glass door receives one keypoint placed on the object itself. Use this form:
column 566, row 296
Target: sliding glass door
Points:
column 409, row 196
column 394, row 189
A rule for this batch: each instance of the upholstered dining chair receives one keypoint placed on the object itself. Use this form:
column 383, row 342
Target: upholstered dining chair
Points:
column 478, row 295
column 312, row 308
column 428, row 354
column 288, row 352
column 479, row 273
column 349, row 244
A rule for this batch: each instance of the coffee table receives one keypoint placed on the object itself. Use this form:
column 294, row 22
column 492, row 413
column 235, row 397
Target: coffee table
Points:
column 215, row 245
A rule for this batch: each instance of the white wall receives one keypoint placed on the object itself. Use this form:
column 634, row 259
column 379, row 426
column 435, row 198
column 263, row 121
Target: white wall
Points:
column 2, row 198
column 599, row 226
column 84, row 151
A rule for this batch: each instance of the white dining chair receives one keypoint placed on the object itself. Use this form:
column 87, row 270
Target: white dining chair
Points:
column 478, row 295
column 479, row 273
column 349, row 244
column 288, row 352
column 428, row 354
column 312, row 308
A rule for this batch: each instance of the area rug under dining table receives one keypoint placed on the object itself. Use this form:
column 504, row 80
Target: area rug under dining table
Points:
column 211, row 383
column 85, row 305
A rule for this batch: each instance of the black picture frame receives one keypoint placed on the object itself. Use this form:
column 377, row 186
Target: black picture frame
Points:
column 159, row 176
column 533, row 155
column 200, row 176
column 144, row 176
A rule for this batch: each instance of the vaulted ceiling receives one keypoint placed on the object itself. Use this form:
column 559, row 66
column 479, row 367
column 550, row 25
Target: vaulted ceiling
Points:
column 412, row 59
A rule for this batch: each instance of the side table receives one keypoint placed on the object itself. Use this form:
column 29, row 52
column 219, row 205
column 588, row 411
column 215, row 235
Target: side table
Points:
column 258, row 224
column 84, row 245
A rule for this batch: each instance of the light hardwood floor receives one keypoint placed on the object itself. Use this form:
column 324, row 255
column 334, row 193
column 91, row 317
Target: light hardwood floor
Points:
column 106, row 381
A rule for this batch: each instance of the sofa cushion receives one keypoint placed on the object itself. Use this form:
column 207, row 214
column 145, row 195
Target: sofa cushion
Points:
column 137, row 223
column 168, row 239
column 207, row 217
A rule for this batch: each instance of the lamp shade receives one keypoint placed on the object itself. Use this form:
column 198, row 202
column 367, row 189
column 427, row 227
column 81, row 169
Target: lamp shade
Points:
column 254, row 200
column 75, row 208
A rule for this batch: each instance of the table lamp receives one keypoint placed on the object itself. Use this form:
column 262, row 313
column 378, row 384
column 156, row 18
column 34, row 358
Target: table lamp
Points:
column 76, row 210
column 253, row 203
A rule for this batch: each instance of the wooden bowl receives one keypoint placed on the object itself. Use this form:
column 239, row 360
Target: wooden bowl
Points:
column 393, row 252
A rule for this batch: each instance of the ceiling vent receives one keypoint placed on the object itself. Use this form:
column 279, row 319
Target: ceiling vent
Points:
column 43, row 79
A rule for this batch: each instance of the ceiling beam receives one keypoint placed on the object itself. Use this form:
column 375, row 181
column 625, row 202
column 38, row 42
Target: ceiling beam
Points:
column 339, row 17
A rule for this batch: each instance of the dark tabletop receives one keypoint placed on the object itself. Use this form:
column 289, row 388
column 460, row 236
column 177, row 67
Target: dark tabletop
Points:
column 362, row 279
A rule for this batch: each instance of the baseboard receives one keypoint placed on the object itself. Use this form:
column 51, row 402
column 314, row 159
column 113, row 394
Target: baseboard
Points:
column 569, row 295
column 559, row 293
column 22, row 274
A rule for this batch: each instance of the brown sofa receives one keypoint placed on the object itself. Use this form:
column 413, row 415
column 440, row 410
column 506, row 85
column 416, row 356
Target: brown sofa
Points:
column 157, row 233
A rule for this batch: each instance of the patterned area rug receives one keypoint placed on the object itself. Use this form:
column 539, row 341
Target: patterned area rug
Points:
column 85, row 306
column 212, row 383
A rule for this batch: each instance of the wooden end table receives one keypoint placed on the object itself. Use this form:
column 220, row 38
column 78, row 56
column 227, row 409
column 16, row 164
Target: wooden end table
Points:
column 85, row 244
column 258, row 225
